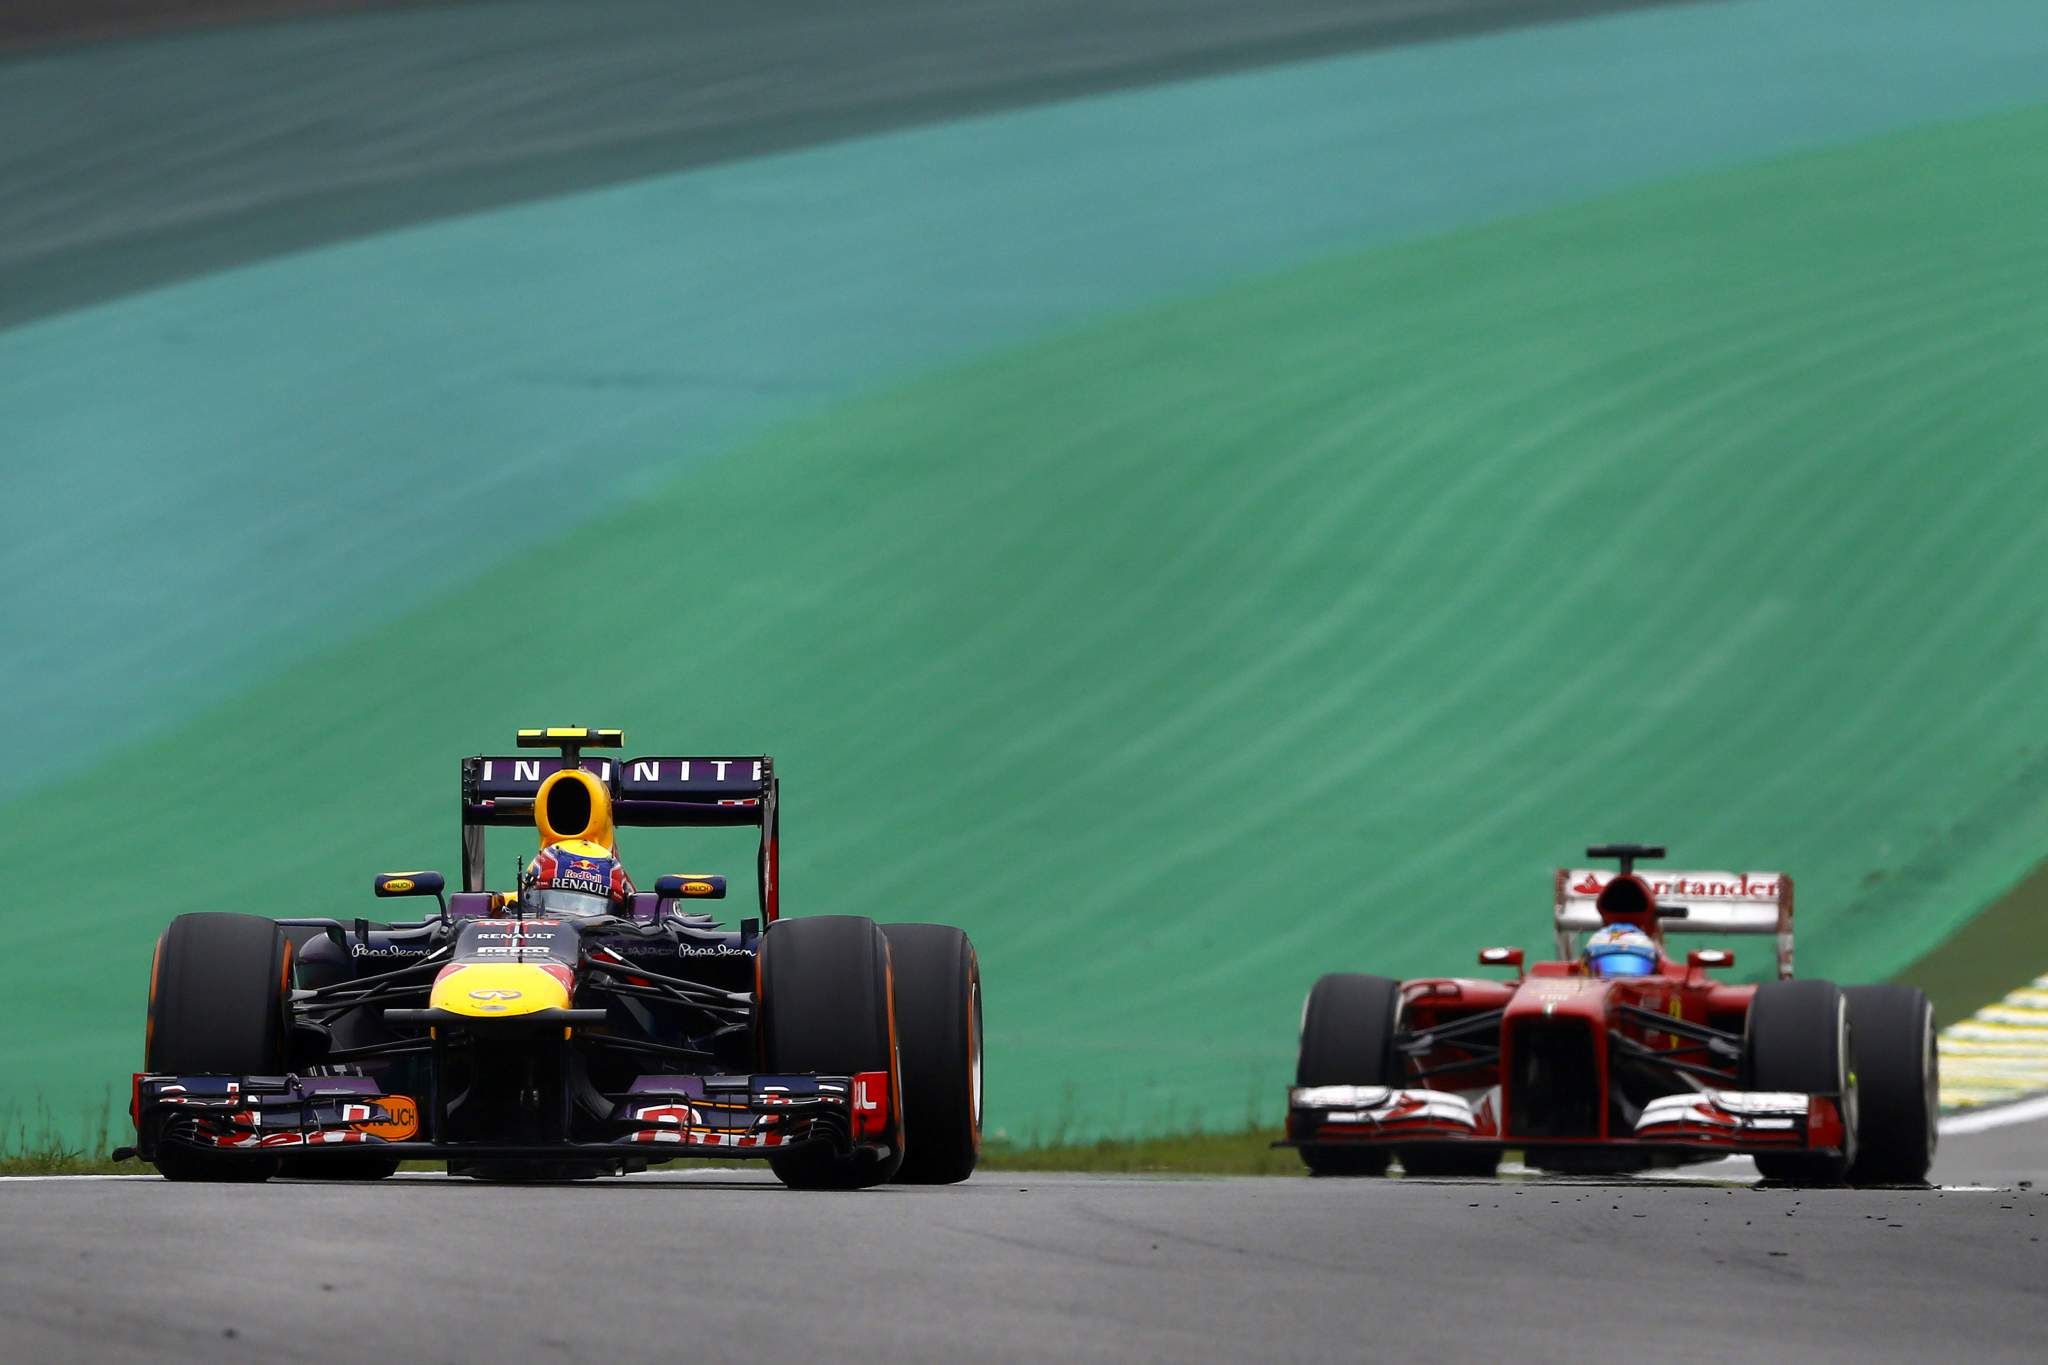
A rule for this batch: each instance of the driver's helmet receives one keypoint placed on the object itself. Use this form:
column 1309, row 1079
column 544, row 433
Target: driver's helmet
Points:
column 576, row 877
column 1620, row 950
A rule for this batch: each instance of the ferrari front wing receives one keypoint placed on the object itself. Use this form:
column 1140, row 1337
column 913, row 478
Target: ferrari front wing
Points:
column 1727, row 1122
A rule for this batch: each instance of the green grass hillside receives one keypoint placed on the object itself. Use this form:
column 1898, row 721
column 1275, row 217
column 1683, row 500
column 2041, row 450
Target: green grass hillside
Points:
column 1300, row 627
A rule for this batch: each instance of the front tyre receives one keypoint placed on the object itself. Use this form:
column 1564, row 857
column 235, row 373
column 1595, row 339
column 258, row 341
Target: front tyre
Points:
column 938, row 1021
column 1347, row 1038
column 1450, row 1161
column 1898, row 1085
column 219, row 1004
column 354, row 1166
column 1798, row 1040
column 824, row 1006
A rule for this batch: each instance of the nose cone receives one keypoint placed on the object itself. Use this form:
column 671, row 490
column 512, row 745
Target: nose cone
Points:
column 500, row 990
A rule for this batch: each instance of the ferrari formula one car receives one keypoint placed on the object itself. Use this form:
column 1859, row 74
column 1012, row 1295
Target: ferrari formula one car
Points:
column 1610, row 1064
column 575, row 1026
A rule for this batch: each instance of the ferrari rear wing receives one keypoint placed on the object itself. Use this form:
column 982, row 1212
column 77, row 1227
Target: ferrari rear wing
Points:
column 651, row 791
column 1687, row 903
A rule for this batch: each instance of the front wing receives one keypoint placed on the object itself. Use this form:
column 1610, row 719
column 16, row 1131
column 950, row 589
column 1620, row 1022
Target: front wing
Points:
column 1721, row 1122
column 658, row 1119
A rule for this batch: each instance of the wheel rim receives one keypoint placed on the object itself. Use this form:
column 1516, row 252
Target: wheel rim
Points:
column 1930, row 1078
column 974, row 1058
column 1850, row 1107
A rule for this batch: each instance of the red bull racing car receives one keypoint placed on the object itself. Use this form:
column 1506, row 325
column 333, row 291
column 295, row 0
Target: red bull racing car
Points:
column 572, row 1026
column 1615, row 1057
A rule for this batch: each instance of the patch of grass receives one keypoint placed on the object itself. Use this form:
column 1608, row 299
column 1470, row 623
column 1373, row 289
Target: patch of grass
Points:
column 55, row 1162
column 36, row 1144
column 2003, row 948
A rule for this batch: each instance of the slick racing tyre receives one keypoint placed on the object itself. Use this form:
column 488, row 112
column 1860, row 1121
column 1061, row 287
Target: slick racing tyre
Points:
column 1799, row 1040
column 219, row 993
column 1898, row 1084
column 824, row 1006
column 354, row 1166
column 1347, row 1038
column 938, row 1022
column 1445, row 1161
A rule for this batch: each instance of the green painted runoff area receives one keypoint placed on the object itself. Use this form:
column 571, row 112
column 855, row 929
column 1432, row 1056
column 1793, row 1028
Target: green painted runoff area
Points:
column 1298, row 627
column 220, row 478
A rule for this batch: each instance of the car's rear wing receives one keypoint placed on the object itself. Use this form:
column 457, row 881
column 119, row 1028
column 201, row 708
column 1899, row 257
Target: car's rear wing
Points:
column 651, row 791
column 1687, row 903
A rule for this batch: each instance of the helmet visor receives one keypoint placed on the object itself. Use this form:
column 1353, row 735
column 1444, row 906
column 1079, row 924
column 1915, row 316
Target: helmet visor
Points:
column 1624, row 962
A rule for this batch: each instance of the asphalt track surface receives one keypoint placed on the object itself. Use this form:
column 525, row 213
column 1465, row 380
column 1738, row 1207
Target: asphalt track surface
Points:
column 150, row 161
column 710, row 1266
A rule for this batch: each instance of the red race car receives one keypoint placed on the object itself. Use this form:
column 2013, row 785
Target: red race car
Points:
column 1616, row 1057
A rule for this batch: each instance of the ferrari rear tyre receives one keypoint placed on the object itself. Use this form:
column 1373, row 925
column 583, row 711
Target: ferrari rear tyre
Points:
column 1898, row 1084
column 1799, row 1040
column 219, row 993
column 938, row 1022
column 1347, row 1038
column 825, row 1007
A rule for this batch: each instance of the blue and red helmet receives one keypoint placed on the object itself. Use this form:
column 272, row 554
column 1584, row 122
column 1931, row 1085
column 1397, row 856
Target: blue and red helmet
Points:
column 1620, row 950
column 577, row 877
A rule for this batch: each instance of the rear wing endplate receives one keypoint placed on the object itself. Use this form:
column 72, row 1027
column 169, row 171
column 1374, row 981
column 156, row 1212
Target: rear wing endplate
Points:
column 664, row 791
column 1691, row 902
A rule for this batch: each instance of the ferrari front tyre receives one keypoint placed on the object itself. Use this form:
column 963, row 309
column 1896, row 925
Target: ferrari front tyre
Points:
column 1798, row 1040
column 1347, row 1038
column 219, row 993
column 1898, row 1084
column 938, row 1022
column 1450, row 1161
column 824, row 1006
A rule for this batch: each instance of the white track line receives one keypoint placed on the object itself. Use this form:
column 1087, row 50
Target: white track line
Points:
column 1978, row 1121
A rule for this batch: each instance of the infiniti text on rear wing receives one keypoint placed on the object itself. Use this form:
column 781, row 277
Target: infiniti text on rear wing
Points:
column 1696, row 902
column 654, row 791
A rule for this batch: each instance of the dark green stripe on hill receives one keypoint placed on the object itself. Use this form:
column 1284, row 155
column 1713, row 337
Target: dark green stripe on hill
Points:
column 133, row 166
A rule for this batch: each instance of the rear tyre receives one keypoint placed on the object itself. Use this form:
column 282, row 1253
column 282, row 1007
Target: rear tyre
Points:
column 938, row 1021
column 1898, row 1084
column 1347, row 1038
column 1799, row 1040
column 824, row 1006
column 219, row 996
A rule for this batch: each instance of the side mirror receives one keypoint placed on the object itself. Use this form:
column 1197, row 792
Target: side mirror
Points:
column 409, row 884
column 1502, row 957
column 1699, row 959
column 690, row 886
column 388, row 884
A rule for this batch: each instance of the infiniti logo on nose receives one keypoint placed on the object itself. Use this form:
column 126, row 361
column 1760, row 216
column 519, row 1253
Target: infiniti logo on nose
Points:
column 494, row 995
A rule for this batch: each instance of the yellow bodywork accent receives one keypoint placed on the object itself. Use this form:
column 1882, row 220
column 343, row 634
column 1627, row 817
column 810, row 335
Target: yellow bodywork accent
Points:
column 597, row 826
column 498, row 990
column 592, row 738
